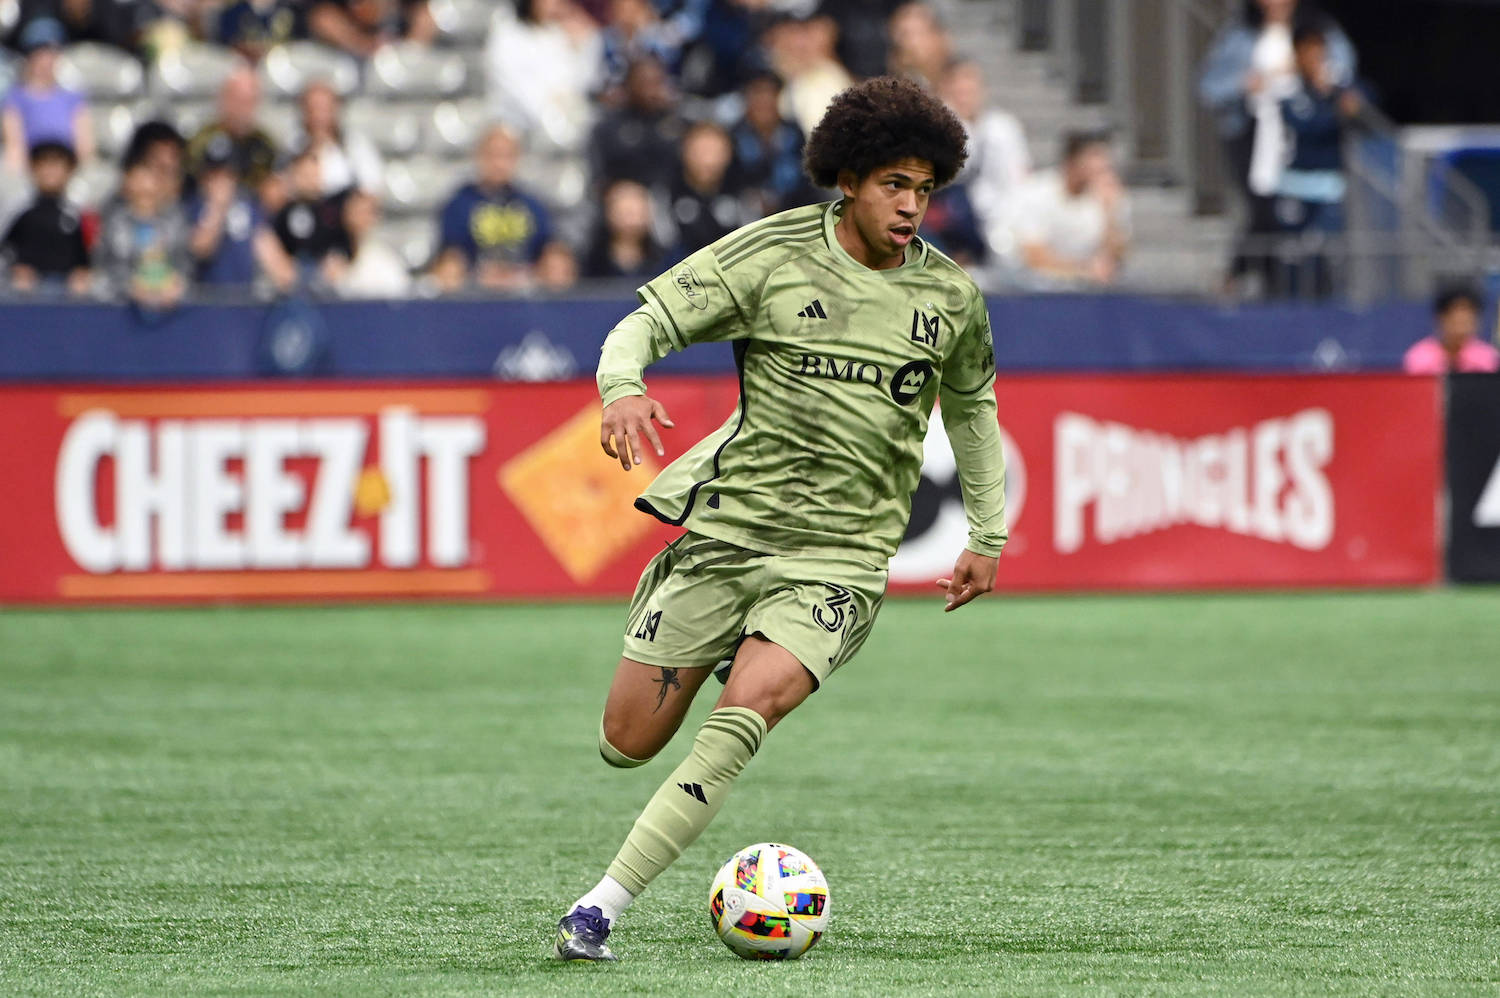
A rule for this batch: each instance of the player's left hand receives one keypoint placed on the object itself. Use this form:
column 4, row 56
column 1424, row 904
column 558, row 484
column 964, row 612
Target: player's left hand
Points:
column 973, row 575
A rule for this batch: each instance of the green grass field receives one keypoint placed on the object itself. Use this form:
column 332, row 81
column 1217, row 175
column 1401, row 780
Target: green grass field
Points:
column 1196, row 795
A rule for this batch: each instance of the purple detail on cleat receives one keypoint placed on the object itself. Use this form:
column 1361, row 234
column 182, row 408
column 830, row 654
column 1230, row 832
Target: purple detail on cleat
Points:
column 588, row 920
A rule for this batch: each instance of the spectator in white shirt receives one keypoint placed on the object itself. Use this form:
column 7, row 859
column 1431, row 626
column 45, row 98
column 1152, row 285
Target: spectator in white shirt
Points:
column 999, row 161
column 1072, row 224
column 541, row 65
column 347, row 160
column 375, row 270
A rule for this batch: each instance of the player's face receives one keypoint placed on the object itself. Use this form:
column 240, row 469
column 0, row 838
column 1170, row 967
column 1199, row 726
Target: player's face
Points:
column 885, row 209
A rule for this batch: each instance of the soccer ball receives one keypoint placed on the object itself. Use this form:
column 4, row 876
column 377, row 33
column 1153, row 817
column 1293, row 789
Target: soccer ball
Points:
column 769, row 902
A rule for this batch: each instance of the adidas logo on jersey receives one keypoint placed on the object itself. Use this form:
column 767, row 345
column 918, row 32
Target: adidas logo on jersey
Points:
column 813, row 311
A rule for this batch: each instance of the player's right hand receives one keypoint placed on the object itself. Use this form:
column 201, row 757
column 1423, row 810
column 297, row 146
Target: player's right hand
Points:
column 625, row 421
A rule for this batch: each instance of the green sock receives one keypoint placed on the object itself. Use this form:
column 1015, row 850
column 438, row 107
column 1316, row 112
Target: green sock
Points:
column 684, row 805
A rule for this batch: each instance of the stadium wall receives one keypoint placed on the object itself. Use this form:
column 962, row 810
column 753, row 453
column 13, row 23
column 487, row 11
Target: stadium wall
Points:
column 472, row 489
column 534, row 340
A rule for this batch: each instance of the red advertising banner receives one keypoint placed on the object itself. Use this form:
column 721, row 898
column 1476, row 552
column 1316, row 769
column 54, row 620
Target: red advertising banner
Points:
column 308, row 491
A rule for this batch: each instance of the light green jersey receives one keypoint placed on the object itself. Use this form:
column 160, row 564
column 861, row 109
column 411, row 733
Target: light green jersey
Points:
column 839, row 366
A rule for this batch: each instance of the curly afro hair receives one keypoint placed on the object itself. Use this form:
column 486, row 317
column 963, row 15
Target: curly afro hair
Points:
column 880, row 121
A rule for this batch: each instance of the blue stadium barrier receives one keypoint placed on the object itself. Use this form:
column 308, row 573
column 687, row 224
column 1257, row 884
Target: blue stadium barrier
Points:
column 542, row 339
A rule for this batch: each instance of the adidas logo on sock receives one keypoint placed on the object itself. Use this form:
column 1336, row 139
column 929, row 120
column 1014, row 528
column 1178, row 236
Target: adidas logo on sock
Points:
column 813, row 311
column 694, row 790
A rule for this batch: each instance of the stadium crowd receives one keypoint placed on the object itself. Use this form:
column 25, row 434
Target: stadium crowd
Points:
column 605, row 139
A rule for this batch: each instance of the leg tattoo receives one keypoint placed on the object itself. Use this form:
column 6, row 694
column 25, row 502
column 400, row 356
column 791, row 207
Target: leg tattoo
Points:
column 668, row 681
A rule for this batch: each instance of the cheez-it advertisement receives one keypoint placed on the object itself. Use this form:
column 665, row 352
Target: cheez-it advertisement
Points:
column 472, row 490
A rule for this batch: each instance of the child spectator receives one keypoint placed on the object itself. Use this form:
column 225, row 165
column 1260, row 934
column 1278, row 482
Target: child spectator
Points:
column 345, row 160
column 492, row 232
column 768, row 150
column 231, row 243
column 375, row 269
column 703, row 207
column 310, row 226
column 557, row 267
column 254, row 27
column 624, row 246
column 1073, row 224
column 45, row 245
column 1311, row 189
column 163, row 148
column 143, row 240
column 37, row 109
column 1454, row 346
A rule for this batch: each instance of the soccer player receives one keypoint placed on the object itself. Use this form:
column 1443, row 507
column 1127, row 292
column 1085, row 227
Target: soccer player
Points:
column 846, row 329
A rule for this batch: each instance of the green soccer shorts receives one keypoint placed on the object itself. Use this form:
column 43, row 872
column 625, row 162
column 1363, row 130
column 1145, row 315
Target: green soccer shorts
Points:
column 700, row 597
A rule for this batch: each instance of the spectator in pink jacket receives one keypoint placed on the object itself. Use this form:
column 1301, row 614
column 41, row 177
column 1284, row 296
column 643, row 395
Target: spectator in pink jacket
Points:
column 1454, row 346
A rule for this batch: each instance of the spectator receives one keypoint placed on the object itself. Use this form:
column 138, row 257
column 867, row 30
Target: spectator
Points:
column 120, row 23
column 624, row 245
column 1455, row 346
column 639, row 141
column 231, row 242
column 310, row 225
column 999, row 161
column 805, row 53
column 635, row 30
column 361, row 27
column 1249, row 70
column 557, row 267
column 254, row 27
column 864, row 35
column 1311, row 190
column 953, row 226
column 45, row 245
column 540, row 68
column 492, row 233
column 162, row 148
column 345, row 160
column 37, row 110
column 1072, row 224
column 375, row 269
column 252, row 151
column 143, row 240
column 921, row 48
column 703, row 208
column 768, row 150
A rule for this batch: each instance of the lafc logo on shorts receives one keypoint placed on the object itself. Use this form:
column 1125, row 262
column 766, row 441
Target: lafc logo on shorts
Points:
column 650, row 621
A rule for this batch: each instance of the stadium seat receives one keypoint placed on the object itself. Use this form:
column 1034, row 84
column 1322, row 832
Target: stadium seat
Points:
column 193, row 71
column 283, row 122
column 413, row 238
column 94, row 182
column 190, row 116
column 102, row 72
column 407, row 70
column 455, row 127
column 288, row 68
column 462, row 22
column 113, row 126
column 420, row 185
column 395, row 130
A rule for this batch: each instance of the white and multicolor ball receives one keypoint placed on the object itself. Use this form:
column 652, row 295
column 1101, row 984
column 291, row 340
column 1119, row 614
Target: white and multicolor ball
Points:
column 769, row 902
